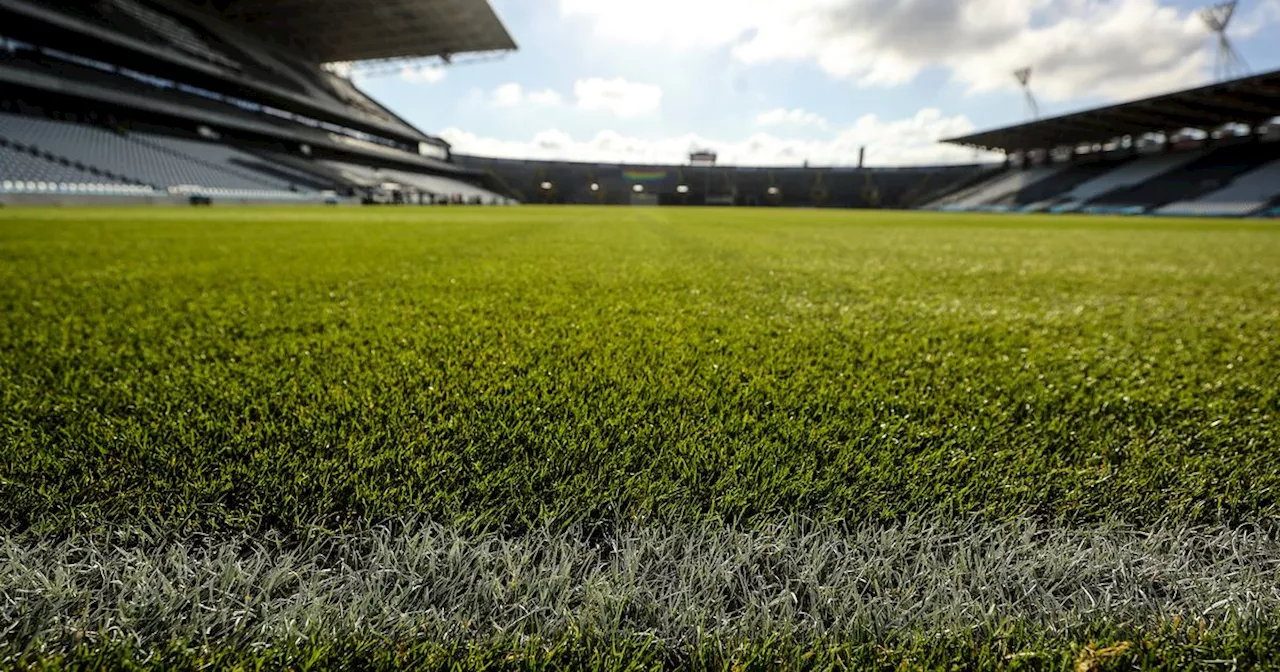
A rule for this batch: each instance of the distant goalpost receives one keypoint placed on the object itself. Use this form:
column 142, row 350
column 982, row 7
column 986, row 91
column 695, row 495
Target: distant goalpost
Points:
column 644, row 199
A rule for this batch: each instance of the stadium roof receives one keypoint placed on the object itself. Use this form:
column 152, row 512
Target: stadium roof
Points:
column 359, row 30
column 1249, row 100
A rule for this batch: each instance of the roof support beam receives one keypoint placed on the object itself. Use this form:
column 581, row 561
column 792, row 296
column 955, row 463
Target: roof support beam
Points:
column 1191, row 114
column 1238, row 103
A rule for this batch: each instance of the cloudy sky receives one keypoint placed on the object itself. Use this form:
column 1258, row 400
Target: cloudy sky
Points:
column 778, row 82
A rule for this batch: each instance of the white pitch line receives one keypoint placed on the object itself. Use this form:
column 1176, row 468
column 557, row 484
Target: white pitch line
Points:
column 680, row 585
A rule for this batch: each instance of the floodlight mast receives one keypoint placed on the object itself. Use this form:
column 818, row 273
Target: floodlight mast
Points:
column 1228, row 63
column 1023, row 75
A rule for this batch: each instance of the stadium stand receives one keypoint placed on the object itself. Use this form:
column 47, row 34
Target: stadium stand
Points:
column 1235, row 117
column 1135, row 172
column 1043, row 194
column 444, row 187
column 139, row 160
column 440, row 188
column 1249, row 193
column 25, row 169
column 226, row 101
column 1210, row 172
column 1005, row 185
column 743, row 186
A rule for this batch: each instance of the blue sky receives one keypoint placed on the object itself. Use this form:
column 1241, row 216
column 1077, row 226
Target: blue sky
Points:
column 783, row 81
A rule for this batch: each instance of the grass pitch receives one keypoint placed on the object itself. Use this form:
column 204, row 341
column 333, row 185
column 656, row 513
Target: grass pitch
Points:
column 254, row 374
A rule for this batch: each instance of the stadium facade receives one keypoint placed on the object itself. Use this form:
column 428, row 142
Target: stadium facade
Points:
column 230, row 101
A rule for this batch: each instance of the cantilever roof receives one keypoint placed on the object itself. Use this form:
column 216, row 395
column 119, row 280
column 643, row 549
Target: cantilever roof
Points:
column 1249, row 100
column 359, row 30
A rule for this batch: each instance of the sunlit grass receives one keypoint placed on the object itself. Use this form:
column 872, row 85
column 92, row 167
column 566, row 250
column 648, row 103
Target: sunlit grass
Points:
column 275, row 369
column 544, row 380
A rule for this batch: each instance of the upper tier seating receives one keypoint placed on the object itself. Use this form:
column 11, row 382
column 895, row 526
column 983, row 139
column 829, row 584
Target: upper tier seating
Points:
column 192, row 33
column 172, row 31
column 1248, row 194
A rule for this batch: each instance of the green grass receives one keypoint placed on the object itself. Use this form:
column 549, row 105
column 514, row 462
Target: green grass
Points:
column 194, row 402
column 274, row 369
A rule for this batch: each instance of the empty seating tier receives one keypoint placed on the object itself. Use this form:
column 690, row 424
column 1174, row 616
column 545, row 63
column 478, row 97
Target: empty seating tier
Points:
column 443, row 186
column 1042, row 194
column 133, row 160
column 25, row 170
column 1248, row 194
column 1134, row 172
column 999, row 187
column 219, row 157
column 1208, row 173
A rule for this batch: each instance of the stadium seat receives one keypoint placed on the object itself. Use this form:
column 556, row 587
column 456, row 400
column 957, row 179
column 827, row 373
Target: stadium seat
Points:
column 160, row 162
column 1248, row 194
column 1137, row 172
column 1002, row 186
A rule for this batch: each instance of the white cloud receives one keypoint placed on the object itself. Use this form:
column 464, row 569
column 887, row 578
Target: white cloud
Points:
column 797, row 117
column 617, row 95
column 910, row 141
column 513, row 94
column 423, row 75
column 1107, row 48
column 544, row 97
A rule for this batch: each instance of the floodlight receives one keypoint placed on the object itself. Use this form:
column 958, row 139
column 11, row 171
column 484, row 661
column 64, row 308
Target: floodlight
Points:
column 1023, row 75
column 1229, row 64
